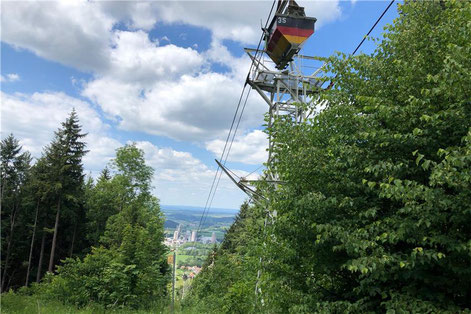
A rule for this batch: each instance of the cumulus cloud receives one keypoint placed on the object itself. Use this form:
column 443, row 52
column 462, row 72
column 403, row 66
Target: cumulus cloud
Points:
column 81, row 33
column 236, row 20
column 34, row 118
column 192, row 108
column 137, row 59
column 74, row 33
column 182, row 179
column 169, row 90
column 163, row 90
column 249, row 148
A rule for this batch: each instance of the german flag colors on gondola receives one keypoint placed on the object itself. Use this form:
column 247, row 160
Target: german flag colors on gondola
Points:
column 286, row 37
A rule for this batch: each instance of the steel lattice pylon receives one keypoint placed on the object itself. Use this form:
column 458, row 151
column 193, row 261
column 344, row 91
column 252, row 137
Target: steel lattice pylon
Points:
column 286, row 92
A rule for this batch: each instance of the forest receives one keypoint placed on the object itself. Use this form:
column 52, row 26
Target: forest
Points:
column 372, row 213
column 85, row 241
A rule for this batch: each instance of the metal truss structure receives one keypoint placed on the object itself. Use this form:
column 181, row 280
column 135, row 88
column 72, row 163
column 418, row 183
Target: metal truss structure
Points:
column 286, row 93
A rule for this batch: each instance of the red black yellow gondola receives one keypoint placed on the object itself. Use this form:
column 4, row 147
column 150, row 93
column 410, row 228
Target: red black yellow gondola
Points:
column 288, row 30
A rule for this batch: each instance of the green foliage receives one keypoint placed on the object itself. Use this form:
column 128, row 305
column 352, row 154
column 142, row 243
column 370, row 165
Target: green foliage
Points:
column 14, row 173
column 63, row 159
column 226, row 282
column 130, row 269
column 104, row 278
column 118, row 218
column 375, row 213
column 375, row 210
column 103, row 200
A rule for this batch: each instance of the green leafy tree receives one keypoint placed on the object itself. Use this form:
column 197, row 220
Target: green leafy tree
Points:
column 103, row 200
column 226, row 284
column 376, row 210
column 130, row 268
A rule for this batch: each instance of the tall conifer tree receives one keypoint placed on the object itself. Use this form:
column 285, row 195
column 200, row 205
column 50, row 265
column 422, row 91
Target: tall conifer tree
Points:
column 64, row 161
column 14, row 168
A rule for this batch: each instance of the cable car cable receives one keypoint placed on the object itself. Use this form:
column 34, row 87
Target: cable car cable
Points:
column 371, row 29
column 214, row 187
column 227, row 155
column 364, row 38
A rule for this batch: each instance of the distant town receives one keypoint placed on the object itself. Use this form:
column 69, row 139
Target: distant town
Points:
column 191, row 244
column 180, row 238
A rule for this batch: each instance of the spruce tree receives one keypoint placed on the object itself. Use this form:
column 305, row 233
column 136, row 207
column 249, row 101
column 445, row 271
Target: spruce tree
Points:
column 14, row 168
column 63, row 158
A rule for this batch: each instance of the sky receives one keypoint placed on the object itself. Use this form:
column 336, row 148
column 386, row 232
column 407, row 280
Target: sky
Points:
column 165, row 75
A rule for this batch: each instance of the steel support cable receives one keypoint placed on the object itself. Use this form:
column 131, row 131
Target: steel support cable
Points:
column 254, row 171
column 222, row 156
column 213, row 191
column 364, row 38
column 230, row 146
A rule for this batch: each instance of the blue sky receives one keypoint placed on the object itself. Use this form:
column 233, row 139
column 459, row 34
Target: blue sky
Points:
column 166, row 75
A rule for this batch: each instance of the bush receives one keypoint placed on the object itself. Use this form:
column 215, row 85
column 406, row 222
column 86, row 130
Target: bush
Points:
column 102, row 278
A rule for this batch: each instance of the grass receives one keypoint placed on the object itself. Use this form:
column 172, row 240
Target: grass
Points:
column 12, row 303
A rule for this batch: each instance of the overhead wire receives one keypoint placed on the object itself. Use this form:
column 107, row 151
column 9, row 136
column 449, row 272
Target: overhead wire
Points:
column 364, row 38
column 373, row 27
column 254, row 170
column 230, row 146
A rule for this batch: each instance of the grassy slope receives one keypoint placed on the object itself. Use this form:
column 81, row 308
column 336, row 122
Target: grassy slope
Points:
column 19, row 304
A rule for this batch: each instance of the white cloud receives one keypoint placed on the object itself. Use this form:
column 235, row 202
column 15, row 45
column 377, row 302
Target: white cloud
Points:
column 193, row 108
column 163, row 90
column 236, row 20
column 34, row 118
column 137, row 59
column 165, row 38
column 135, row 14
column 169, row 91
column 249, row 148
column 182, row 179
column 80, row 33
column 179, row 178
column 11, row 77
column 74, row 33
column 166, row 90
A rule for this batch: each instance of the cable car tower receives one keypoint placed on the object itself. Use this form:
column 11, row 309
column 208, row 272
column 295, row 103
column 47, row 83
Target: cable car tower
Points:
column 281, row 82
column 279, row 79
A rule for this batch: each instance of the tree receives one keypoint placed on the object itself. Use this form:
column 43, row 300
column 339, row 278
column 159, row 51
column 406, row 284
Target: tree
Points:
column 102, row 202
column 375, row 212
column 14, row 171
column 130, row 268
column 37, row 191
column 63, row 160
column 227, row 281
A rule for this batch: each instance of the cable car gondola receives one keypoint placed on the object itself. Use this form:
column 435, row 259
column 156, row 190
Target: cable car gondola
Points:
column 287, row 32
